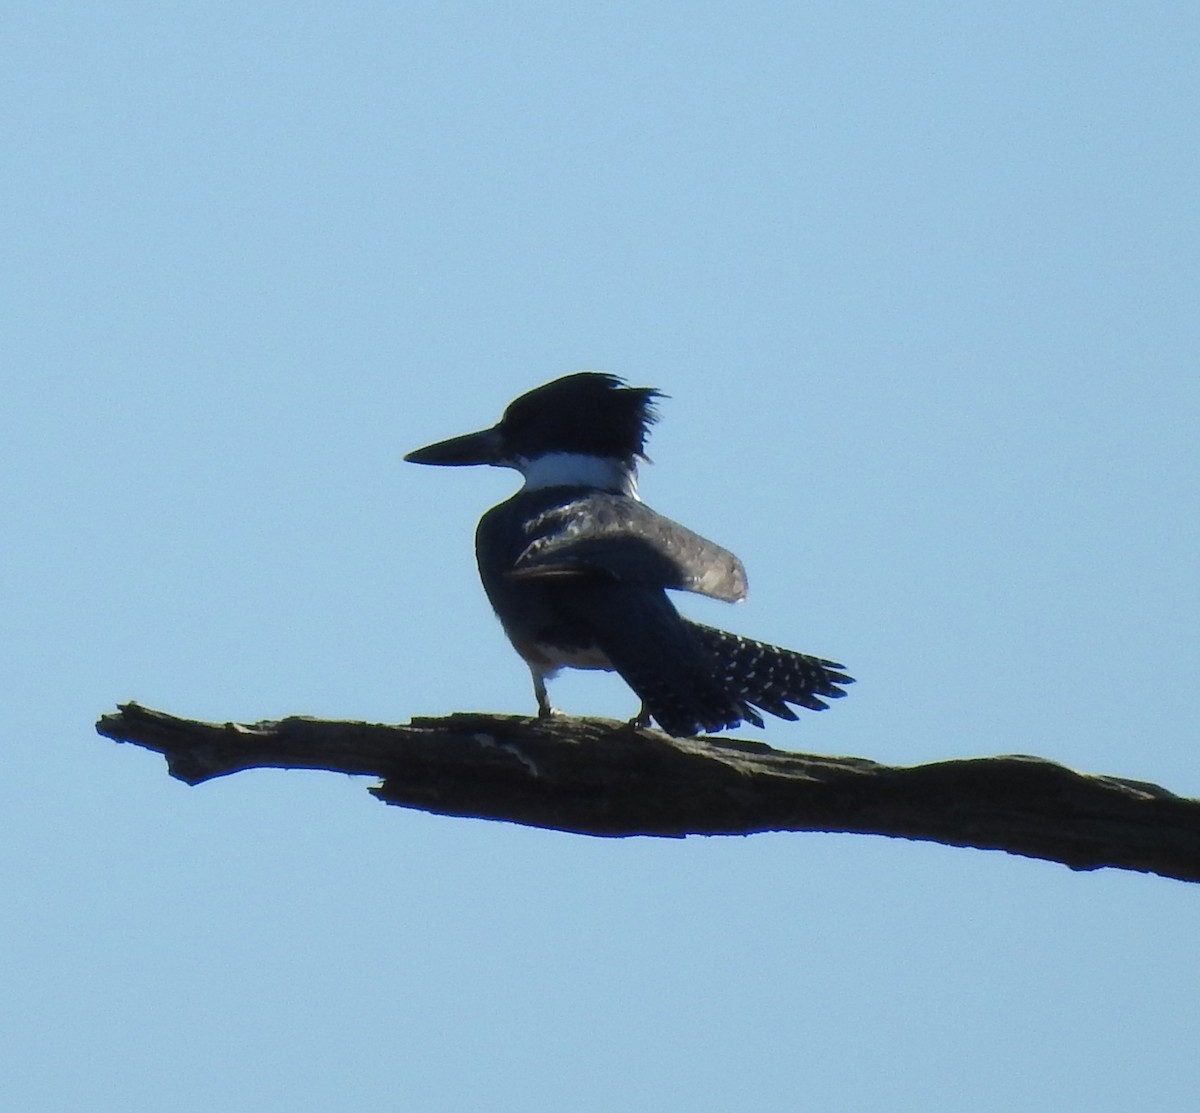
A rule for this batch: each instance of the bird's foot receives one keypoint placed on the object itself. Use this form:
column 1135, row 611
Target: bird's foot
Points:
column 642, row 719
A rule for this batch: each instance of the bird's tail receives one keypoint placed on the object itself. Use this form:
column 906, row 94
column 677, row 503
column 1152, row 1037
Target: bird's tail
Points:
column 694, row 678
column 767, row 676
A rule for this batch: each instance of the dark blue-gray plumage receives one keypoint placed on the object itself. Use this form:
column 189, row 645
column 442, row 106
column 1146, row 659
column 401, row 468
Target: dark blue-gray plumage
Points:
column 577, row 567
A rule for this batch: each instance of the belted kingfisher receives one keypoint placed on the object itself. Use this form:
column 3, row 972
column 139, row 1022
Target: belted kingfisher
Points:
column 577, row 567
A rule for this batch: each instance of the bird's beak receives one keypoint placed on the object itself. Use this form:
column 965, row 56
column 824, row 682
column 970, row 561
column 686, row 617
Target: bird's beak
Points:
column 472, row 448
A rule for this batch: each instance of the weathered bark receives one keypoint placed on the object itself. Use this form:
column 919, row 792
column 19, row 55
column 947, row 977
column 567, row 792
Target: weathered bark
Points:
column 599, row 777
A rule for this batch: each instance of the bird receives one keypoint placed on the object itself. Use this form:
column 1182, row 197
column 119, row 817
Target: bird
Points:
column 577, row 568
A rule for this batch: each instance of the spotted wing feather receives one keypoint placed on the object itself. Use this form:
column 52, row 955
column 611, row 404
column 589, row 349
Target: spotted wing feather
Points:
column 620, row 538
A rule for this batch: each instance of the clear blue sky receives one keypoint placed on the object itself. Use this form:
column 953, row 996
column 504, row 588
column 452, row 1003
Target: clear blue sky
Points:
column 921, row 281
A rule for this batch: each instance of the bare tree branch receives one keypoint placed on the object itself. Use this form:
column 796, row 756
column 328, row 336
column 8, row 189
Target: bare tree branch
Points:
column 598, row 777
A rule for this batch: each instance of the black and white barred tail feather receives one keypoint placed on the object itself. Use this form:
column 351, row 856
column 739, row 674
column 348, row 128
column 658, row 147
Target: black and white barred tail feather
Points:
column 693, row 678
column 768, row 676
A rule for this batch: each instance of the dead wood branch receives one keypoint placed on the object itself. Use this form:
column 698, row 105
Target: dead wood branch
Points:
column 598, row 777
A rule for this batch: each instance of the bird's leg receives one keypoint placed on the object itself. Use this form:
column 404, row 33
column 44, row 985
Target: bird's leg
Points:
column 545, row 708
column 642, row 718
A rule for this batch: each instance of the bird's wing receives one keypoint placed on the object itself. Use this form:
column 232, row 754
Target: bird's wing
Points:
column 622, row 539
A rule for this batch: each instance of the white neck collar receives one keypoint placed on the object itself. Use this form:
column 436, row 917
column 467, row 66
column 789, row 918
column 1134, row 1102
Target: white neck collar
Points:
column 572, row 469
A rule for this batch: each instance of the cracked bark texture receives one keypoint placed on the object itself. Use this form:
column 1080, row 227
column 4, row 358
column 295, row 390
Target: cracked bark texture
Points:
column 600, row 777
